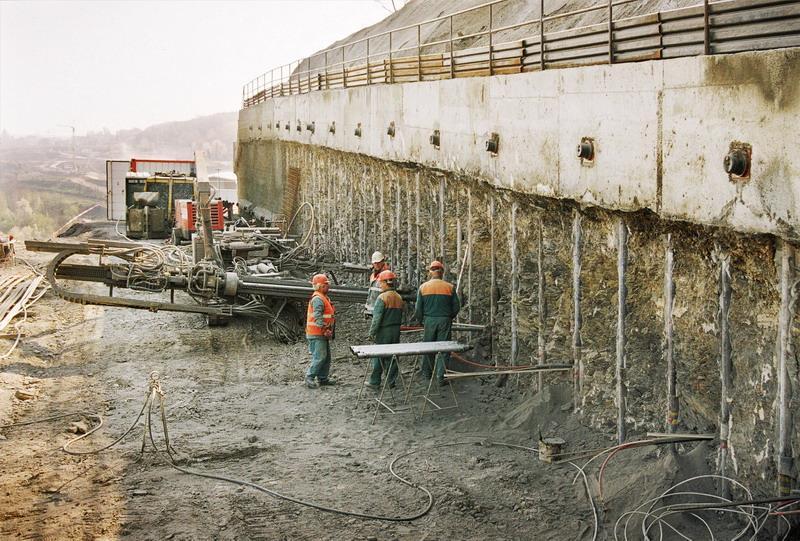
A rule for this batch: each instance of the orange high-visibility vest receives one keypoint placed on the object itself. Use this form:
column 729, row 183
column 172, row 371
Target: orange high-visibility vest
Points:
column 312, row 329
column 374, row 275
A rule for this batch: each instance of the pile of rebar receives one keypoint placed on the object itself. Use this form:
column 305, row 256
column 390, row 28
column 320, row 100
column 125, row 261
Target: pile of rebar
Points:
column 19, row 290
column 297, row 289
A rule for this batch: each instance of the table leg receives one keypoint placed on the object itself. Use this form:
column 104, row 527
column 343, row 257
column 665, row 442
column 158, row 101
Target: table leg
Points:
column 363, row 381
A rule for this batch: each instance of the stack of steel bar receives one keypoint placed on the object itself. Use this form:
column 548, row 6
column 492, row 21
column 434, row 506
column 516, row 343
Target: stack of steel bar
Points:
column 18, row 292
column 297, row 289
column 300, row 289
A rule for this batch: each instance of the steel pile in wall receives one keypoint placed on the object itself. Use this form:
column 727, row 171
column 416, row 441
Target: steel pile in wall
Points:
column 329, row 177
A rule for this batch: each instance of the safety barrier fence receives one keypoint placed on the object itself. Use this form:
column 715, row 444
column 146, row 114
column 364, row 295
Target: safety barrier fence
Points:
column 440, row 49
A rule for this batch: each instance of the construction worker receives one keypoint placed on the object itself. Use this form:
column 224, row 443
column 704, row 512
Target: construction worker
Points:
column 385, row 329
column 320, row 323
column 379, row 265
column 7, row 248
column 437, row 305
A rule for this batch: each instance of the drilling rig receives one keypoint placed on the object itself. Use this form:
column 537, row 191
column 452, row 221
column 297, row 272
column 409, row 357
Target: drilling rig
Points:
column 256, row 271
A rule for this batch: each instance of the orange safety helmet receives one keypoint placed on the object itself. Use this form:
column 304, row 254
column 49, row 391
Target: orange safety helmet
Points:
column 387, row 276
column 320, row 279
column 436, row 265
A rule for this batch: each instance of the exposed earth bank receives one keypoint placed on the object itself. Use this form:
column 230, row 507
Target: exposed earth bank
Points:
column 236, row 407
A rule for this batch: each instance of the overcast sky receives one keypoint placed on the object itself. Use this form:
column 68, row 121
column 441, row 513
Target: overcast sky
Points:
column 132, row 64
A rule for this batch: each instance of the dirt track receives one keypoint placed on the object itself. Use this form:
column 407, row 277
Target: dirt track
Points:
column 236, row 407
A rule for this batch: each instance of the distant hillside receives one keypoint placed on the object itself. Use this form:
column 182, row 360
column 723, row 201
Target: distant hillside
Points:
column 43, row 183
column 214, row 134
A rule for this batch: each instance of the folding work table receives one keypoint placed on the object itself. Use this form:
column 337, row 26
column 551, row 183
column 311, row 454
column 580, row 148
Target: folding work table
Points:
column 393, row 352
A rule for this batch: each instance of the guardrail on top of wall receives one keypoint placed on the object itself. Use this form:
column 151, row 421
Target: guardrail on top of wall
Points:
column 708, row 27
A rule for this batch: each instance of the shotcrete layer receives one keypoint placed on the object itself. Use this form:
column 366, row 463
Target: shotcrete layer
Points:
column 362, row 204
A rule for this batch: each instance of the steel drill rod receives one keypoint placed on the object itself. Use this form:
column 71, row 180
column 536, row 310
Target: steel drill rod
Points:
column 622, row 292
column 725, row 365
column 785, row 417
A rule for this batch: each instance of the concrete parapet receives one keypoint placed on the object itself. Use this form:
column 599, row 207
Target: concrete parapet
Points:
column 660, row 130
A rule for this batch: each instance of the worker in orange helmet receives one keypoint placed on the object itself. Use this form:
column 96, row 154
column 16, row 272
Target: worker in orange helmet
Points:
column 385, row 329
column 379, row 264
column 437, row 305
column 320, row 323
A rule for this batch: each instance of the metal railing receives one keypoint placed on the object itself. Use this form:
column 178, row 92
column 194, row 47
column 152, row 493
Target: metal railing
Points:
column 707, row 27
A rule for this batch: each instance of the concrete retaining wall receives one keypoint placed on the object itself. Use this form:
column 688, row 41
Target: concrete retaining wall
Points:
column 362, row 204
column 661, row 131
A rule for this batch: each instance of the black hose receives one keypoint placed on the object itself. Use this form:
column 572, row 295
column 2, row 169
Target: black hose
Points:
column 279, row 495
column 146, row 410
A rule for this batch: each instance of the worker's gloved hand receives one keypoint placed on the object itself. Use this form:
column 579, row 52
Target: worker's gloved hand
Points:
column 328, row 333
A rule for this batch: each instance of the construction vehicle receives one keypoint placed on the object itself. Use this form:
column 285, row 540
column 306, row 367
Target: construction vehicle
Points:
column 169, row 180
column 6, row 248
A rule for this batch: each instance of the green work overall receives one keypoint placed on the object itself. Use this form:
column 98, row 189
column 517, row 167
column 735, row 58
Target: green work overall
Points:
column 437, row 305
column 385, row 329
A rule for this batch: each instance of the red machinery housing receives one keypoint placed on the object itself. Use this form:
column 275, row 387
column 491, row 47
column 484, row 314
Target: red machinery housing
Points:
column 186, row 216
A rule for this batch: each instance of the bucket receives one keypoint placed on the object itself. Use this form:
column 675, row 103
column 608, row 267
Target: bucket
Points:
column 550, row 449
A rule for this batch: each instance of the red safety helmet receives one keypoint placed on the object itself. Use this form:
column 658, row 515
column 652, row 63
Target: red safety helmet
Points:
column 320, row 279
column 387, row 276
column 436, row 265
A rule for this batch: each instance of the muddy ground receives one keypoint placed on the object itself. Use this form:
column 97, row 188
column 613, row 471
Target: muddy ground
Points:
column 236, row 407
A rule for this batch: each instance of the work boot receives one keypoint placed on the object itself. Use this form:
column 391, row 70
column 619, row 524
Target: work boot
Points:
column 310, row 383
column 443, row 382
column 392, row 384
column 373, row 386
column 324, row 382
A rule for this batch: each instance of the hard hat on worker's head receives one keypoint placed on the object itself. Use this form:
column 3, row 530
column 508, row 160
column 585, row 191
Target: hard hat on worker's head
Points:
column 320, row 279
column 387, row 276
column 377, row 257
column 436, row 265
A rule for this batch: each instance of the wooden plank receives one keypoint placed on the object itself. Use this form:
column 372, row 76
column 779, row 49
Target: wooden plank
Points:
column 755, row 15
column 687, row 38
column 575, row 54
column 11, row 300
column 577, row 44
column 637, row 45
column 498, row 48
column 637, row 56
column 506, row 66
column 757, row 44
column 683, row 25
column 765, row 29
column 576, row 63
column 507, row 60
column 724, row 7
column 695, row 49
column 636, row 33
column 635, row 22
column 29, row 289
column 436, row 77
column 531, row 60
column 685, row 13
column 505, row 55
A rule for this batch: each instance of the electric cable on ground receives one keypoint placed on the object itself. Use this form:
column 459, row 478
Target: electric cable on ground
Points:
column 167, row 451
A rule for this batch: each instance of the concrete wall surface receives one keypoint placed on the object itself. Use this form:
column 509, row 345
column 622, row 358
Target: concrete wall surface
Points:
column 661, row 130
